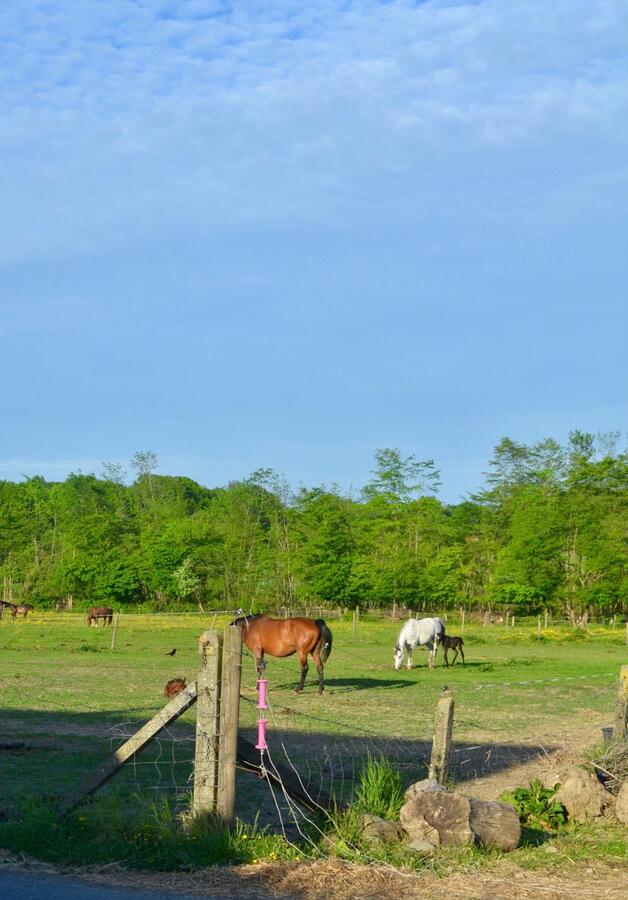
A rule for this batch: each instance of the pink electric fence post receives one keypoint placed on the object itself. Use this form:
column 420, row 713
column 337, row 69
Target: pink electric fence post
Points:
column 261, row 687
column 261, row 735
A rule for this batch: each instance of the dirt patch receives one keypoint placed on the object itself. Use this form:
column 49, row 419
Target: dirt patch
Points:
column 530, row 759
column 347, row 881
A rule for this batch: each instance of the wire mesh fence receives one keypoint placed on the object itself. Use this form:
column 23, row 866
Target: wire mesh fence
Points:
column 66, row 707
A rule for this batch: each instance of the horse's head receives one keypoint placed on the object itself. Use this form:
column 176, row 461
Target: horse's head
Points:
column 398, row 657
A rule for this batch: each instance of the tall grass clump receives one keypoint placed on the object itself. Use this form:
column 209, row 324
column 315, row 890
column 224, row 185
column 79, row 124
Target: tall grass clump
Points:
column 379, row 790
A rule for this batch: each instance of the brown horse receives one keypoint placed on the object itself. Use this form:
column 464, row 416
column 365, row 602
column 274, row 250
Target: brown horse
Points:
column 100, row 612
column 283, row 637
column 22, row 609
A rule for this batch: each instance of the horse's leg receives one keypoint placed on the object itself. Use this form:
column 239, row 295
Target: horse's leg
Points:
column 304, row 671
column 445, row 657
column 462, row 654
column 409, row 649
column 260, row 664
column 316, row 656
column 430, row 657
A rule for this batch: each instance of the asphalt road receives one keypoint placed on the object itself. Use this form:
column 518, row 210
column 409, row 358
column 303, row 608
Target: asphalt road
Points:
column 28, row 886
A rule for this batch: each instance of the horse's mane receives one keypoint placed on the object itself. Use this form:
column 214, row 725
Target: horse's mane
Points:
column 244, row 620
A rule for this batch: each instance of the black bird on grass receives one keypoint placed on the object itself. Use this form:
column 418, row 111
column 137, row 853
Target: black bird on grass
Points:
column 171, row 652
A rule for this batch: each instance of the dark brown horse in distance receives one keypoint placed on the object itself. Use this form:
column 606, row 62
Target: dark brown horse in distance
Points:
column 283, row 637
column 100, row 612
column 22, row 609
column 6, row 604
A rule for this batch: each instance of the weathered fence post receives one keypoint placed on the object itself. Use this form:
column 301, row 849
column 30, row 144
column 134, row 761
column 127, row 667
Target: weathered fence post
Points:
column 356, row 619
column 207, row 719
column 546, row 619
column 114, row 633
column 512, row 621
column 443, row 738
column 620, row 730
column 507, row 615
column 538, row 624
column 229, row 719
column 462, row 613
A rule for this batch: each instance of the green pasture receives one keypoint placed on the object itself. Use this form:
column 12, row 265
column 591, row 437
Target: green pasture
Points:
column 68, row 699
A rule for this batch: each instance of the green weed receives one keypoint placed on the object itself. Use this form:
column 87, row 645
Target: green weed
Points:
column 535, row 805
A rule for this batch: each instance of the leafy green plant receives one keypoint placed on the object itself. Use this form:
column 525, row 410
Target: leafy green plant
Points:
column 379, row 790
column 535, row 805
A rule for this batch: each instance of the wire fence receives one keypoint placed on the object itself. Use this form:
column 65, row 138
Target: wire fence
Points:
column 70, row 713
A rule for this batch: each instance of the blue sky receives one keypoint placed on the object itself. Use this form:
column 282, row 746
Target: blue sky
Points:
column 286, row 233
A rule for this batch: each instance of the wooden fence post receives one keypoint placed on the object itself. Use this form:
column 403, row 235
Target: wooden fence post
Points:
column 538, row 624
column 207, row 719
column 229, row 720
column 620, row 730
column 545, row 618
column 462, row 613
column 356, row 614
column 116, row 619
column 443, row 738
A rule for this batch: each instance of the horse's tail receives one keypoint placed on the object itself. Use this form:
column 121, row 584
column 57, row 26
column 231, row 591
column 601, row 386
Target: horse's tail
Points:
column 326, row 639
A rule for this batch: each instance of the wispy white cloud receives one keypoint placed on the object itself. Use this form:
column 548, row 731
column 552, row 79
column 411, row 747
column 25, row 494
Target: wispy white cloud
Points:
column 52, row 469
column 123, row 119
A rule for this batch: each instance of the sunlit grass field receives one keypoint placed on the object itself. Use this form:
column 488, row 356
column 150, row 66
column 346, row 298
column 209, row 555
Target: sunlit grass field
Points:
column 70, row 699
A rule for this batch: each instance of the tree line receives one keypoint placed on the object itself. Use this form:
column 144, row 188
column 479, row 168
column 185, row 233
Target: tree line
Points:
column 548, row 530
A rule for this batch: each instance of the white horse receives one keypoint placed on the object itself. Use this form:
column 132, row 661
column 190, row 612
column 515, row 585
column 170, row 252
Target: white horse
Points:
column 415, row 632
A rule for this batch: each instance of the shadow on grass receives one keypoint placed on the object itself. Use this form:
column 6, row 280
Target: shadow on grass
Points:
column 361, row 684
column 534, row 837
column 62, row 750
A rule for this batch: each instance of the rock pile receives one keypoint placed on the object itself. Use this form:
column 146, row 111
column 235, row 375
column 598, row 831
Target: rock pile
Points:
column 433, row 817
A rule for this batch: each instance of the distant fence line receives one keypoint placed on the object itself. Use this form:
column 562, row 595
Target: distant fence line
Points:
column 460, row 616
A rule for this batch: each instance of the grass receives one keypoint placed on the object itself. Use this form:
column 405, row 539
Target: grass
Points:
column 71, row 699
column 138, row 833
column 379, row 790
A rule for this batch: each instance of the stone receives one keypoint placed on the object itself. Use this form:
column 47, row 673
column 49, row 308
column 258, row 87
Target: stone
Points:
column 421, row 845
column 621, row 804
column 582, row 795
column 449, row 818
column 420, row 829
column 420, row 787
column 374, row 828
